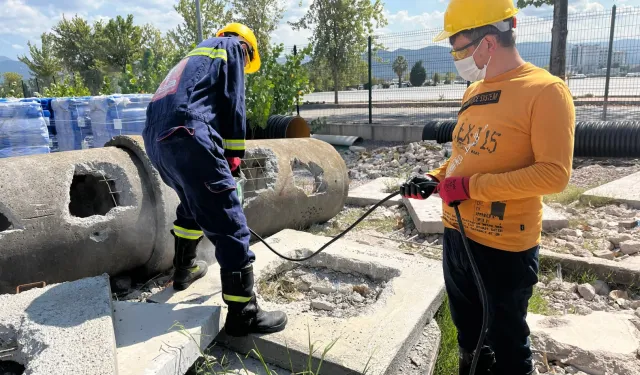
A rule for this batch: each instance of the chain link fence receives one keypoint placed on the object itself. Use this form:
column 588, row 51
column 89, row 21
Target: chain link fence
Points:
column 414, row 80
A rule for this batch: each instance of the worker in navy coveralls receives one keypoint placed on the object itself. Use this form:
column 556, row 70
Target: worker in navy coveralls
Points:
column 195, row 137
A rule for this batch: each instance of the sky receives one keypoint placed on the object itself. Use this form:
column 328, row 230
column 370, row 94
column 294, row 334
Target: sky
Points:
column 24, row 20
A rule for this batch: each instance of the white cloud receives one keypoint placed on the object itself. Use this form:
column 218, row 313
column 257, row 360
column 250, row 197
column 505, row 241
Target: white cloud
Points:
column 17, row 46
column 581, row 6
column 19, row 19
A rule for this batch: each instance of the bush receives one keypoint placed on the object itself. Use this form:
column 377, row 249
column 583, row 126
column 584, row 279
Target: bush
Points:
column 418, row 74
column 69, row 87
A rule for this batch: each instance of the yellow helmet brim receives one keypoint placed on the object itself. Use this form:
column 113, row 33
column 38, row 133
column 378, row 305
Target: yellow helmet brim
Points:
column 253, row 65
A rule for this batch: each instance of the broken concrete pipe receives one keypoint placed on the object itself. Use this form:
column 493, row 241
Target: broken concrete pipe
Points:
column 76, row 214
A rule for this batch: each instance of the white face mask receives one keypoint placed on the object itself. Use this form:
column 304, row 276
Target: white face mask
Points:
column 469, row 70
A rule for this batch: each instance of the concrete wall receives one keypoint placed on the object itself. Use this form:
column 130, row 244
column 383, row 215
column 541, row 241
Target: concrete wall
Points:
column 377, row 132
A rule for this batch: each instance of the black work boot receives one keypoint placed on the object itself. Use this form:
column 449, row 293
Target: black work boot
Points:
column 485, row 362
column 244, row 315
column 186, row 268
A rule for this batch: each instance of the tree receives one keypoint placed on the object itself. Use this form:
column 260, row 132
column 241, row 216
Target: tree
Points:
column 120, row 42
column 261, row 16
column 436, row 78
column 11, row 85
column 213, row 15
column 450, row 77
column 418, row 74
column 339, row 33
column 399, row 66
column 557, row 65
column 43, row 62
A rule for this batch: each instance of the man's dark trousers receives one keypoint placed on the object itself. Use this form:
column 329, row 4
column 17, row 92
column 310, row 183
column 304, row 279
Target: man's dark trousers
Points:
column 509, row 278
column 190, row 159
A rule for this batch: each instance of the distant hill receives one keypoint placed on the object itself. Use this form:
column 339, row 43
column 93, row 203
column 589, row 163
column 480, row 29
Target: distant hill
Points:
column 9, row 65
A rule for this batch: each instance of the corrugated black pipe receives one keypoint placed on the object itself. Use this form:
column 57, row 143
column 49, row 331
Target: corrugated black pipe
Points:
column 593, row 139
column 279, row 126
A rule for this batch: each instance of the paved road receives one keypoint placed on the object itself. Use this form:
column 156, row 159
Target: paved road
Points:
column 410, row 116
column 619, row 86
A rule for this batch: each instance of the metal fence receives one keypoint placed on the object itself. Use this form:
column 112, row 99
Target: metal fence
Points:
column 602, row 65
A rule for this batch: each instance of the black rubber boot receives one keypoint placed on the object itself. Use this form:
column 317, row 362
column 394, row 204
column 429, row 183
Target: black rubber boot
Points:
column 186, row 268
column 244, row 315
column 485, row 363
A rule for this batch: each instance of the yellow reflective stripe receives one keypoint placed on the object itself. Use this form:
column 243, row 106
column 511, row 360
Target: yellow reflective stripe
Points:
column 189, row 234
column 238, row 299
column 233, row 144
column 213, row 53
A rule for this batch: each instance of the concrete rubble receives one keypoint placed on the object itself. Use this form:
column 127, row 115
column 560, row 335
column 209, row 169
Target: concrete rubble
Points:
column 67, row 327
column 375, row 191
column 625, row 190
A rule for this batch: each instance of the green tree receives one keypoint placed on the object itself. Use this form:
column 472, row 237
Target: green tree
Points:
column 120, row 42
column 70, row 86
column 11, row 85
column 43, row 62
column 436, row 78
column 450, row 77
column 418, row 74
column 213, row 13
column 261, row 16
column 339, row 33
column 399, row 66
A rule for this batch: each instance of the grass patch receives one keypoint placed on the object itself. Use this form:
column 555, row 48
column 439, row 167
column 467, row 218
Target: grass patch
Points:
column 348, row 217
column 447, row 362
column 571, row 194
column 596, row 201
column 539, row 305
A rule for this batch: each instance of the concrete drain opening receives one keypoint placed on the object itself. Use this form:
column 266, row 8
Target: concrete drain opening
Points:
column 322, row 291
column 5, row 223
column 92, row 195
column 11, row 368
column 308, row 177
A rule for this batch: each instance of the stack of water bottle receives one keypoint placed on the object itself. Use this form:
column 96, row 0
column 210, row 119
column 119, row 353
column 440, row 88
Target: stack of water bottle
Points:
column 23, row 128
column 42, row 125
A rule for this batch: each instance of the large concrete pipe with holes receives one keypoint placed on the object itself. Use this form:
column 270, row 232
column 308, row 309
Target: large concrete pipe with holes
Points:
column 76, row 214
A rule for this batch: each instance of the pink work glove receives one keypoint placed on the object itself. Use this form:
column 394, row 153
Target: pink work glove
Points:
column 454, row 189
column 234, row 163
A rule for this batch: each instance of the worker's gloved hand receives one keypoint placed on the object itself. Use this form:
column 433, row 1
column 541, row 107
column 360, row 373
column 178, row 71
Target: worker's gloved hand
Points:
column 234, row 165
column 412, row 189
column 454, row 189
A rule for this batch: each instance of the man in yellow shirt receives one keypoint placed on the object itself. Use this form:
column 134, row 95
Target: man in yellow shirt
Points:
column 513, row 144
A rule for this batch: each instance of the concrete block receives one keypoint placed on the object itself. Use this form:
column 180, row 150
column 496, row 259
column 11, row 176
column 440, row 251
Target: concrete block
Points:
column 61, row 329
column 385, row 330
column 205, row 291
column 162, row 339
column 427, row 216
column 375, row 191
column 625, row 190
column 598, row 343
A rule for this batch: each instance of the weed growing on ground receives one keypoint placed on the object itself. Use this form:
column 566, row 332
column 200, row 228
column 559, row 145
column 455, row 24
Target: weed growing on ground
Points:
column 447, row 362
column 570, row 194
column 538, row 304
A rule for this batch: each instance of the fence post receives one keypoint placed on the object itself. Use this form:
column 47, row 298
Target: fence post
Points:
column 370, row 85
column 295, row 53
column 606, row 86
column 24, row 89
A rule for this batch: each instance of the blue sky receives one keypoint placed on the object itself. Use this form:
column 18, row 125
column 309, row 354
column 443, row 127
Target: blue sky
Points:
column 22, row 20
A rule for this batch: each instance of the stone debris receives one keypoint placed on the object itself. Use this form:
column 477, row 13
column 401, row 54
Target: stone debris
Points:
column 587, row 291
column 630, row 247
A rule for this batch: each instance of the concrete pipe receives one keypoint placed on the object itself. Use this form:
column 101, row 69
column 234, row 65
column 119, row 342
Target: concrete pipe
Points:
column 70, row 215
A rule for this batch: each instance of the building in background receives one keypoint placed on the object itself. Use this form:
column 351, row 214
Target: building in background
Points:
column 592, row 58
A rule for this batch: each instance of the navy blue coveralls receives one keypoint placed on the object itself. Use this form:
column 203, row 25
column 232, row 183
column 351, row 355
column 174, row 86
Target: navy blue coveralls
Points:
column 196, row 120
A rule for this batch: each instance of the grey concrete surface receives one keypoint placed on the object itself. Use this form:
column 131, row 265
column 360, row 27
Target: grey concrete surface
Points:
column 375, row 191
column 65, row 223
column 226, row 361
column 597, row 343
column 427, row 216
column 63, row 328
column 385, row 331
column 625, row 190
column 162, row 339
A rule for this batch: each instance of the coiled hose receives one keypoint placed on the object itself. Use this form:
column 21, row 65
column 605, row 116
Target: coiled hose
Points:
column 592, row 139
column 474, row 266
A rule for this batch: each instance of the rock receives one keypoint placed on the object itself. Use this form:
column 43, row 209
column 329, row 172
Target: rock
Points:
column 638, row 312
column 363, row 289
column 416, row 361
column 357, row 149
column 601, row 288
column 630, row 247
column 571, row 232
column 570, row 370
column 613, row 211
column 582, row 253
column 324, row 288
column 605, row 254
column 623, row 303
column 573, row 247
column 616, row 294
column 555, row 284
column 587, row 291
column 583, row 310
column 634, row 304
column 322, row 305
column 357, row 297
column 618, row 239
column 628, row 224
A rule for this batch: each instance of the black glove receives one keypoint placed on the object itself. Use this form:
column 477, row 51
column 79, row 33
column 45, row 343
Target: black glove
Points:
column 412, row 190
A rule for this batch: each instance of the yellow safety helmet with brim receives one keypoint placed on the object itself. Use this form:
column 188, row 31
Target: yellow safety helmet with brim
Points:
column 248, row 35
column 470, row 14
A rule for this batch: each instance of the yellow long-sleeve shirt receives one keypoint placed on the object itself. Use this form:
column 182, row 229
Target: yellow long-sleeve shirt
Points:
column 514, row 139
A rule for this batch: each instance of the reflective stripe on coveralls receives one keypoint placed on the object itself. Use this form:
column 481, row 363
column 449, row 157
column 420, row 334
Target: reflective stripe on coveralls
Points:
column 188, row 234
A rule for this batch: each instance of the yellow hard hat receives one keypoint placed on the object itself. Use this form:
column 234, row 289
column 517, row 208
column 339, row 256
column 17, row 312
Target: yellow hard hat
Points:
column 245, row 32
column 469, row 14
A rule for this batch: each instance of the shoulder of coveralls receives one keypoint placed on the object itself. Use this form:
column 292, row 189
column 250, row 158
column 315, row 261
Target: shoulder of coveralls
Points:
column 231, row 45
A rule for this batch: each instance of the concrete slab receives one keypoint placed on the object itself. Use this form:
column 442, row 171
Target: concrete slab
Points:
column 384, row 331
column 427, row 216
column 205, row 291
column 62, row 328
column 625, row 190
column 375, row 191
column 421, row 360
column 225, row 361
column 598, row 343
column 162, row 339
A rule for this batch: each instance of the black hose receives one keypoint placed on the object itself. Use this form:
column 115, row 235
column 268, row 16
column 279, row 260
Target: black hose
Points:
column 474, row 266
column 592, row 139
